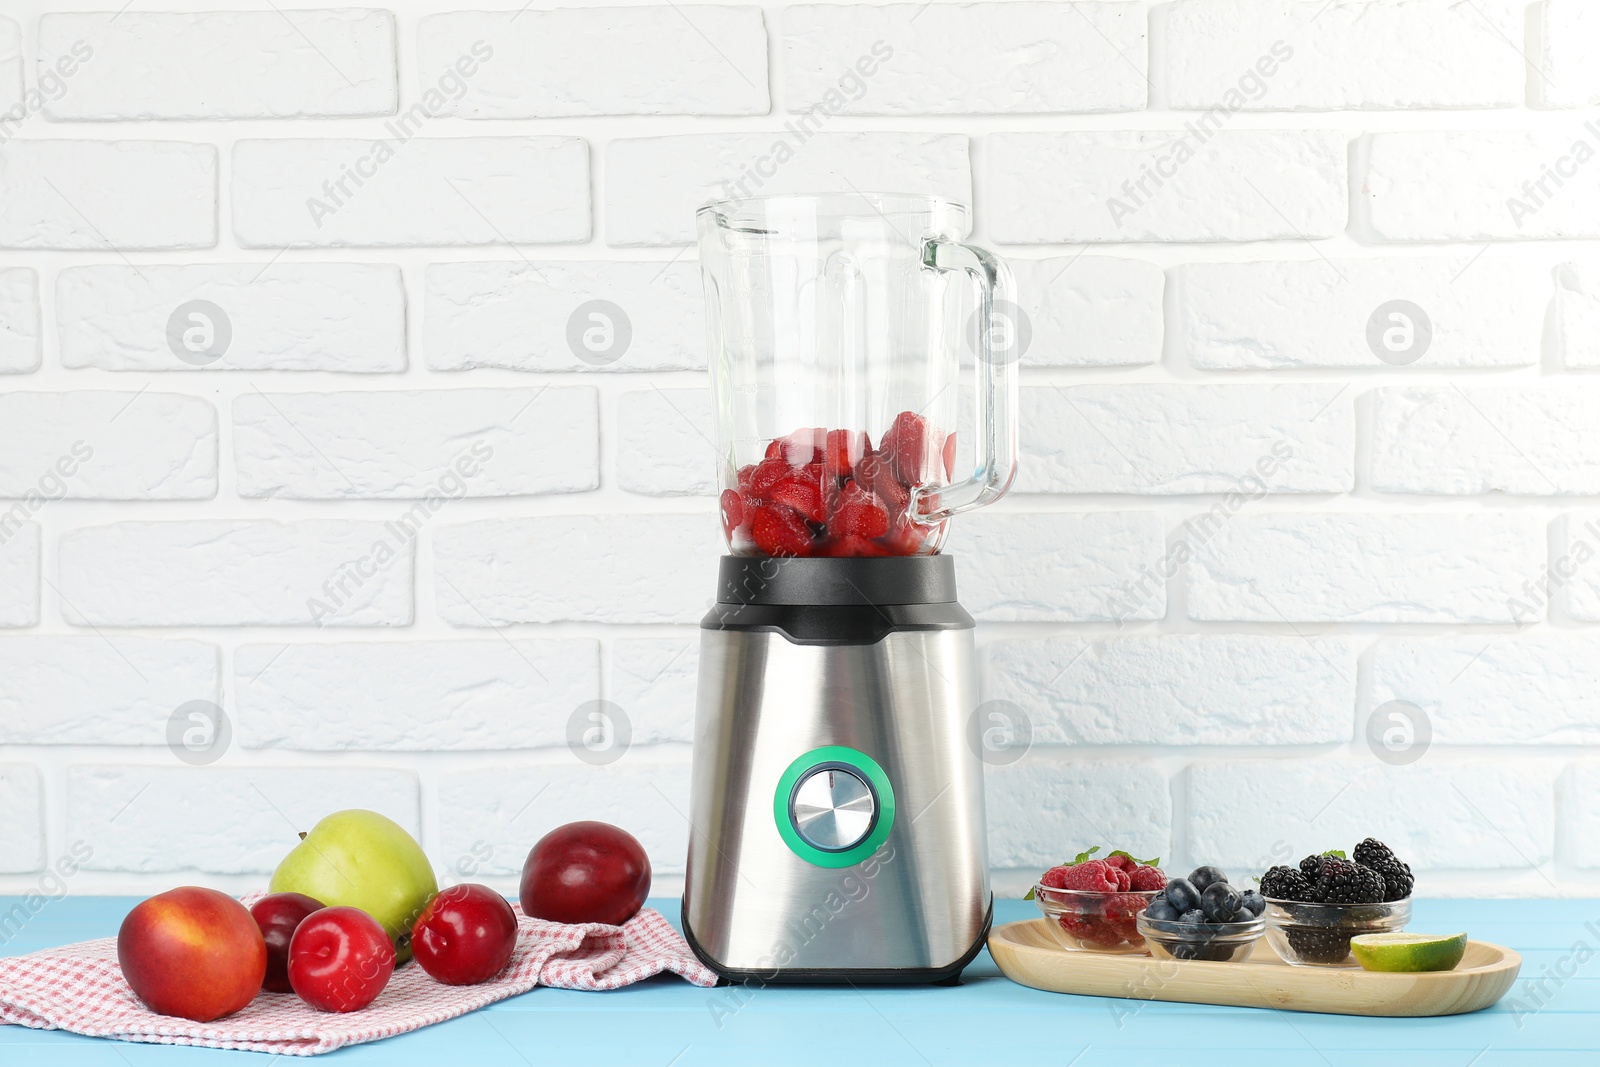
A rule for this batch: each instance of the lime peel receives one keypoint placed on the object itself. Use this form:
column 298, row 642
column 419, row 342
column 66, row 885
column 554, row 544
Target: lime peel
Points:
column 1400, row 952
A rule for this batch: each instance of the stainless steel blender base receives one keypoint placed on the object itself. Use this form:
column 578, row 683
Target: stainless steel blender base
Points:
column 838, row 819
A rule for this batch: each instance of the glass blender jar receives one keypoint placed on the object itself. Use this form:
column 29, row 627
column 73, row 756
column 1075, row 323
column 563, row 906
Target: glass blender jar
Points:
column 835, row 332
column 837, row 808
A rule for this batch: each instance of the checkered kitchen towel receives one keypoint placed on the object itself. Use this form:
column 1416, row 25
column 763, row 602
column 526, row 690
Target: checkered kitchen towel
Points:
column 80, row 988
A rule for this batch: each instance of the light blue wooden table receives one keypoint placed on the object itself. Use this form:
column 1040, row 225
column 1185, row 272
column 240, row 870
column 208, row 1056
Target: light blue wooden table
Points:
column 1551, row 1017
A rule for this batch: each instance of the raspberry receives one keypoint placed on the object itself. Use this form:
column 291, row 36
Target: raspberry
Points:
column 1144, row 879
column 1122, row 877
column 1122, row 914
column 780, row 531
column 1055, row 877
column 1123, row 861
column 1091, row 874
column 801, row 495
column 950, row 456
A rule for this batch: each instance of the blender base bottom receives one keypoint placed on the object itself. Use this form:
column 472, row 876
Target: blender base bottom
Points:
column 949, row 975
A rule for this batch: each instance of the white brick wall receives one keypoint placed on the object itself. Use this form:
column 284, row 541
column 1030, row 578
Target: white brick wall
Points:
column 1316, row 312
column 282, row 316
column 53, row 195
column 424, row 191
column 1504, row 185
column 19, row 321
column 961, row 59
column 1569, row 35
column 517, row 316
column 281, row 272
column 19, row 568
column 1334, row 54
column 411, row 446
column 696, row 59
column 1180, row 184
column 659, row 181
column 441, row 695
column 221, row 64
column 1169, row 439
column 107, row 446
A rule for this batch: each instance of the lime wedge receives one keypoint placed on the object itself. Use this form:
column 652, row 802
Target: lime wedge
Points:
column 1408, row 952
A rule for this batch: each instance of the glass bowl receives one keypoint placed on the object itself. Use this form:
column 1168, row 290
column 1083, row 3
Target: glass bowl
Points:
column 1084, row 920
column 1169, row 939
column 1318, row 935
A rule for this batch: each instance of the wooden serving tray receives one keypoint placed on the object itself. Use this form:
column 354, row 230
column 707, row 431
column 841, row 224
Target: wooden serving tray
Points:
column 1026, row 953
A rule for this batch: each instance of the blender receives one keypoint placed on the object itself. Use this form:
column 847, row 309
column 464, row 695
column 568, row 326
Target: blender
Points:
column 837, row 822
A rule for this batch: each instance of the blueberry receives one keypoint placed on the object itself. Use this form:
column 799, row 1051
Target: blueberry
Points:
column 1182, row 895
column 1254, row 902
column 1193, row 915
column 1205, row 876
column 1161, row 911
column 1220, row 902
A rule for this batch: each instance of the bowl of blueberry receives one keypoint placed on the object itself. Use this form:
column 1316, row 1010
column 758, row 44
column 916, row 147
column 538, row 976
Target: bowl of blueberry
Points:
column 1203, row 917
column 1093, row 905
column 1313, row 910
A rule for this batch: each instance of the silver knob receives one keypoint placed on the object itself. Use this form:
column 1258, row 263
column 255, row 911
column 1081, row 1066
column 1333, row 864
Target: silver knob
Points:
column 833, row 808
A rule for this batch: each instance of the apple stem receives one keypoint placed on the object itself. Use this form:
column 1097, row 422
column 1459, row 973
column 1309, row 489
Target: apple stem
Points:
column 302, row 835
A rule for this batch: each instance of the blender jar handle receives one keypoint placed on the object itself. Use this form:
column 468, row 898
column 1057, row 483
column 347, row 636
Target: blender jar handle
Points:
column 996, row 422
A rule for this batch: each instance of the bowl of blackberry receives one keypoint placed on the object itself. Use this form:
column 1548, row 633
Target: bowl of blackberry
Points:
column 1093, row 905
column 1203, row 917
column 1313, row 910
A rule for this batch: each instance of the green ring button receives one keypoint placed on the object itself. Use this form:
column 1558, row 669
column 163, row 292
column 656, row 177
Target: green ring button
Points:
column 856, row 764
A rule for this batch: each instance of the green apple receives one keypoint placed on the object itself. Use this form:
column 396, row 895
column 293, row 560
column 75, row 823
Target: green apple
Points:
column 361, row 859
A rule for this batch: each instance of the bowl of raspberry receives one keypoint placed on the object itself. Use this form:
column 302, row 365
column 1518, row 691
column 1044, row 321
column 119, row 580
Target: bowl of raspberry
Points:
column 1313, row 910
column 1093, row 905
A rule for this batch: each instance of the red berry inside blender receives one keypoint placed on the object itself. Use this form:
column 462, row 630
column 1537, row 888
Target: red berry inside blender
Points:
column 821, row 492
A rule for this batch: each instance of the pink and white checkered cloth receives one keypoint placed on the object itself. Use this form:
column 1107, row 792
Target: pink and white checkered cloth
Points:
column 80, row 988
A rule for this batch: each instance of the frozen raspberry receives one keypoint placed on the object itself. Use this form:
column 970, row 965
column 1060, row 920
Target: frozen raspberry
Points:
column 1144, row 879
column 1122, row 914
column 1092, row 874
column 780, row 531
column 801, row 495
column 732, row 512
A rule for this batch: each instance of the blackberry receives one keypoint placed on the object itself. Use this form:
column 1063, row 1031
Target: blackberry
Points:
column 1311, row 867
column 1348, row 882
column 1319, row 946
column 1397, row 879
column 1285, row 883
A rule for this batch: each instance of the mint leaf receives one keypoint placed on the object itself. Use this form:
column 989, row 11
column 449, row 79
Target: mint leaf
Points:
column 1336, row 852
